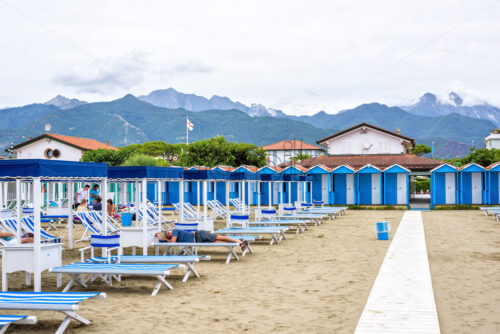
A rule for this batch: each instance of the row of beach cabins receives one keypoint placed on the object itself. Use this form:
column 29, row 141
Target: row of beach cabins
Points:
column 35, row 179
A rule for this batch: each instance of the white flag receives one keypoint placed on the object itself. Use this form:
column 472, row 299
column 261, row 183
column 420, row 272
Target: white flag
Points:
column 189, row 125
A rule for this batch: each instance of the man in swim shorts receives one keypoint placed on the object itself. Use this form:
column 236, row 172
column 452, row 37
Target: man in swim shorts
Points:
column 201, row 236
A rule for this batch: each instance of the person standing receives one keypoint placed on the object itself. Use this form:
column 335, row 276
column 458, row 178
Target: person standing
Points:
column 94, row 193
column 81, row 195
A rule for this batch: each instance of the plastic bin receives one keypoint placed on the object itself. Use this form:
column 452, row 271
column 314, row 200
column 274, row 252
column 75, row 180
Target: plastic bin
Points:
column 382, row 229
column 126, row 219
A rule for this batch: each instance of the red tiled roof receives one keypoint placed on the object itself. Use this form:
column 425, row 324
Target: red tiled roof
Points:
column 296, row 145
column 369, row 126
column 81, row 143
column 409, row 161
column 299, row 167
column 275, row 168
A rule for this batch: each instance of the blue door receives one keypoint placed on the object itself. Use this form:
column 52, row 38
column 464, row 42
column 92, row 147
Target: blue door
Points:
column 339, row 189
column 365, row 188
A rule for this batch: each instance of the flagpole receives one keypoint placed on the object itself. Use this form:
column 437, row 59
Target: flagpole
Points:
column 187, row 131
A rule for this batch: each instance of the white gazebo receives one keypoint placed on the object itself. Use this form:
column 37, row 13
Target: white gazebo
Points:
column 36, row 257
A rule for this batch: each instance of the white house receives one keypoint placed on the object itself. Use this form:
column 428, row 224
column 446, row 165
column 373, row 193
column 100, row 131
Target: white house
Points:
column 285, row 150
column 57, row 147
column 493, row 140
column 367, row 139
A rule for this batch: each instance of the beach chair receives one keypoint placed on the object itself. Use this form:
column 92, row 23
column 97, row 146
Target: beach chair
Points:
column 29, row 226
column 10, row 225
column 238, row 219
column 7, row 320
column 217, row 212
column 67, row 303
column 191, row 248
column 239, row 205
column 96, row 217
column 265, row 214
column 88, row 225
column 317, row 203
column 77, row 270
column 109, row 243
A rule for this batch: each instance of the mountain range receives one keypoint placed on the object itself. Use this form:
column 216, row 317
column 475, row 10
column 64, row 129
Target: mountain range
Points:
column 161, row 115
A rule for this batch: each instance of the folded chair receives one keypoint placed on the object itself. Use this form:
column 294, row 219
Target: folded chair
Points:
column 7, row 320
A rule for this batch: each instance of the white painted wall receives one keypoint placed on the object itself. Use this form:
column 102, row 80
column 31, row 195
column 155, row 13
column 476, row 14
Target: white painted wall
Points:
column 492, row 141
column 37, row 149
column 370, row 142
column 282, row 156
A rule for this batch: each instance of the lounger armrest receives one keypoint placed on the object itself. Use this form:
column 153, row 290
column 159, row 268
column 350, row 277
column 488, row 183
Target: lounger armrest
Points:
column 82, row 252
column 110, row 250
column 29, row 320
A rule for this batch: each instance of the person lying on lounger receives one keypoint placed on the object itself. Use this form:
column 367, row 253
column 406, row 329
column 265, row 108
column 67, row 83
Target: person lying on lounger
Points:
column 10, row 238
column 177, row 235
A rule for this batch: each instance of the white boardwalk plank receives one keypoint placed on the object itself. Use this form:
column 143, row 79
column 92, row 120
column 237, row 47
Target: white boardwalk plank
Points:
column 402, row 299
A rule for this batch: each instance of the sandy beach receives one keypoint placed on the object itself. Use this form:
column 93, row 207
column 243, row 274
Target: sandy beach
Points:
column 317, row 281
column 464, row 256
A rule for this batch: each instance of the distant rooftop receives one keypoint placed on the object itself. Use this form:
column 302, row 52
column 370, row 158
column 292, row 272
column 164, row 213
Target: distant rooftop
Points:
column 77, row 142
column 286, row 145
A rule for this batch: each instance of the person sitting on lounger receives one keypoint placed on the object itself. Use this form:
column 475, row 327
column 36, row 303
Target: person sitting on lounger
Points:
column 10, row 238
column 82, row 206
column 177, row 235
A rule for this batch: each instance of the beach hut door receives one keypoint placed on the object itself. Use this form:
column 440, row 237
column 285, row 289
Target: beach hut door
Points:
column 349, row 180
column 476, row 188
column 450, row 188
column 401, row 185
column 375, row 188
column 324, row 188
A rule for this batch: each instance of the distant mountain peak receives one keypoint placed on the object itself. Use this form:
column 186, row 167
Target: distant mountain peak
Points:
column 64, row 103
column 455, row 98
column 428, row 98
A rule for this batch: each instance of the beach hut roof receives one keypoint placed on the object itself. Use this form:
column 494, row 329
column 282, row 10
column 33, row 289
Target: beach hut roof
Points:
column 445, row 168
column 369, row 169
column 343, row 169
column 271, row 169
column 396, row 169
column 494, row 167
column 205, row 174
column 472, row 167
column 294, row 169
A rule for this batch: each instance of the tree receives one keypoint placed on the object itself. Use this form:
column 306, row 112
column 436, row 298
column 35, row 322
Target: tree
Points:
column 144, row 160
column 301, row 156
column 482, row 156
column 111, row 157
column 421, row 149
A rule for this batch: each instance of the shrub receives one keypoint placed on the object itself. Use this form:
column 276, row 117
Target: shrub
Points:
column 144, row 160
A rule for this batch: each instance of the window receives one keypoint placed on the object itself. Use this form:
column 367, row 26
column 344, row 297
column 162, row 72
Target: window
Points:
column 50, row 153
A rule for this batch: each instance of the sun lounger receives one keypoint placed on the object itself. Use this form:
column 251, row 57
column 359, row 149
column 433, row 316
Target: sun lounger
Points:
column 67, row 303
column 316, row 218
column 77, row 270
column 191, row 248
column 88, row 224
column 7, row 320
column 300, row 224
column 188, row 260
column 10, row 224
column 272, row 231
column 29, row 226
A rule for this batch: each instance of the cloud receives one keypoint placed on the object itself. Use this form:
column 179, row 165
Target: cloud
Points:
column 106, row 75
column 187, row 67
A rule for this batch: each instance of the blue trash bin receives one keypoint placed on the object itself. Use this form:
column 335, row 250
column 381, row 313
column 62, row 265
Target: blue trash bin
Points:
column 126, row 219
column 382, row 229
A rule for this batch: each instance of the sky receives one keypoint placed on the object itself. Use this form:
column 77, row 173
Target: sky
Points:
column 297, row 56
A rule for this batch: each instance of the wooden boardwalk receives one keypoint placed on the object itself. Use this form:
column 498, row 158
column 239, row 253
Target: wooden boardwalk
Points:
column 402, row 299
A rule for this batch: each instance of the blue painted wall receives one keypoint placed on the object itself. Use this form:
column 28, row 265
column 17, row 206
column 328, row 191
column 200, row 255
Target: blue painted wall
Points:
column 339, row 189
column 316, row 185
column 391, row 188
column 493, row 188
column 365, row 188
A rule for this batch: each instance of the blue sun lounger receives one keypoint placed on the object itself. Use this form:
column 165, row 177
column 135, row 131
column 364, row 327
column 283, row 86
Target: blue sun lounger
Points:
column 273, row 231
column 300, row 224
column 77, row 270
column 7, row 320
column 188, row 260
column 316, row 218
column 67, row 303
column 191, row 248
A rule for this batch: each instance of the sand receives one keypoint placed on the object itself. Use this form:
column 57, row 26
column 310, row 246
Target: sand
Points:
column 317, row 281
column 464, row 256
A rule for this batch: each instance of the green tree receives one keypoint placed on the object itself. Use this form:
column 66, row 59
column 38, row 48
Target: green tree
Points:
column 421, row 149
column 482, row 156
column 301, row 156
column 111, row 157
column 144, row 160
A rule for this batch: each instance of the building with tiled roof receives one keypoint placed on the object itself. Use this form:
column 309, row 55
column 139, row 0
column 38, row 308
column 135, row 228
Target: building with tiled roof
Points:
column 57, row 147
column 283, row 151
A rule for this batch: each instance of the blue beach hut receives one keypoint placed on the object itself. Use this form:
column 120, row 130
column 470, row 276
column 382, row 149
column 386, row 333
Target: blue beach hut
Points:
column 270, row 186
column 444, row 185
column 293, row 186
column 396, row 185
column 493, row 184
column 343, row 185
column 320, row 184
column 369, row 185
column 472, row 184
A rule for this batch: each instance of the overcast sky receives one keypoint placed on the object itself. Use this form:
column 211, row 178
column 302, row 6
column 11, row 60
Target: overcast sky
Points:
column 297, row 56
